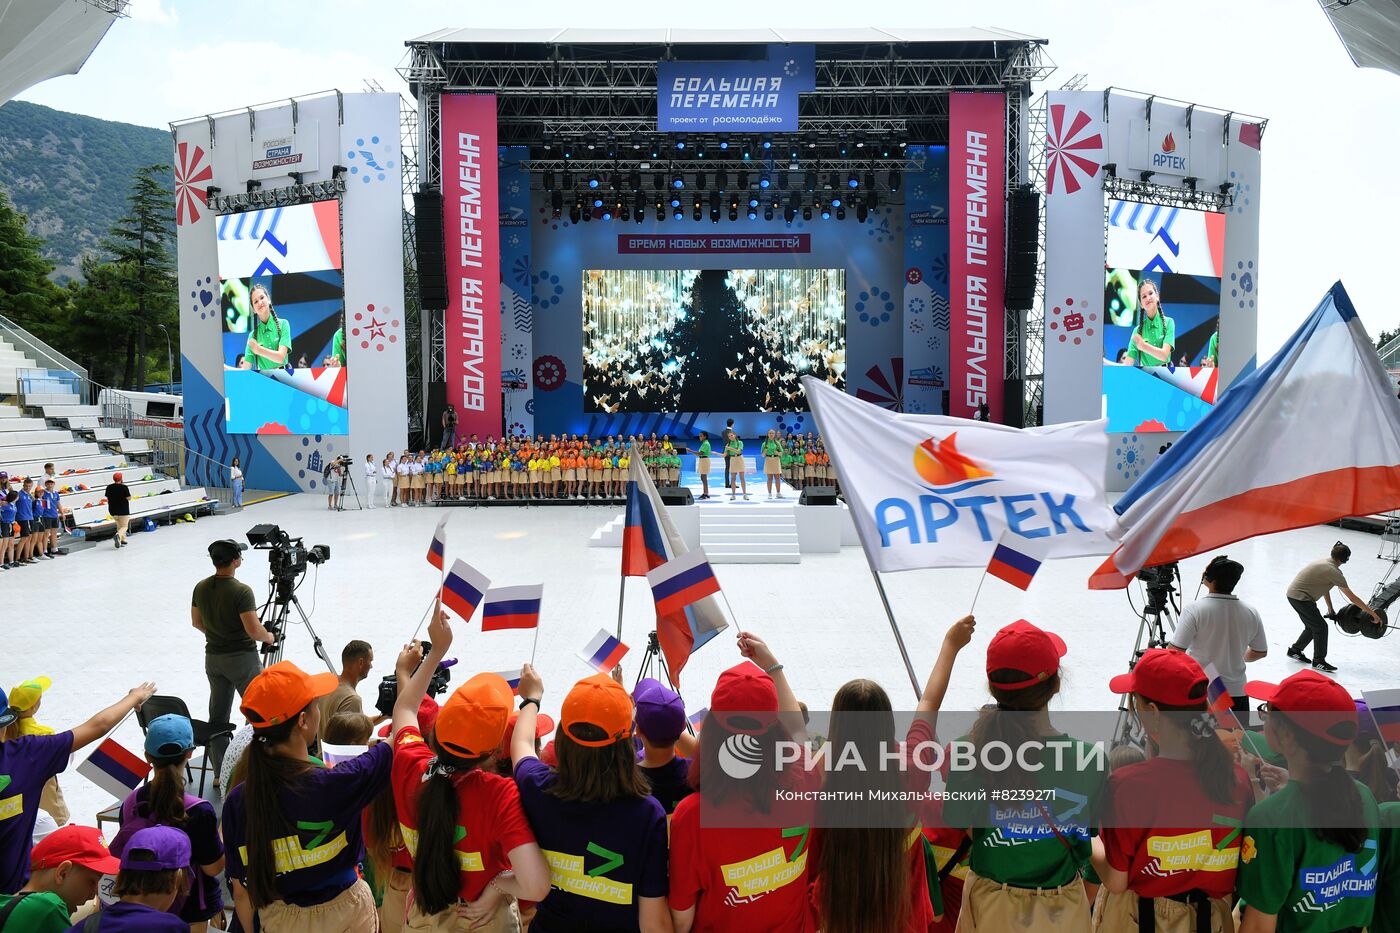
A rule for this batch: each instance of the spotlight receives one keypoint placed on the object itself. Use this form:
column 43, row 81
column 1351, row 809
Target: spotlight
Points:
column 678, row 215
column 640, row 204
column 872, row 199
column 743, row 180
column 568, row 150
column 212, row 191
column 592, row 181
column 253, row 186
column 862, row 212
column 809, row 180
column 1190, row 182
column 700, row 150
column 753, row 215
column 680, row 145
column 806, row 213
column 894, row 180
column 753, row 202
column 860, row 141
column 831, row 181
column 1145, row 176
column 700, row 180
column 870, row 181
column 768, row 212
column 549, row 180
column 714, row 204
column 1224, row 189
column 840, row 213
column 721, row 179
column 574, row 214
column 611, row 149
column 597, row 202
column 607, row 215
column 764, row 181
column 853, row 180
column 1110, row 169
column 658, row 182
column 587, row 216
column 841, row 148
column 794, row 202
column 675, row 202
column 826, row 214
column 295, row 177
column 733, row 215
column 746, row 153
column 783, row 180
column 636, row 180
column 661, row 215
column 789, row 215
column 835, row 202
column 556, row 202
column 566, row 180
column 338, row 170
column 768, row 144
column 724, row 144
column 678, row 180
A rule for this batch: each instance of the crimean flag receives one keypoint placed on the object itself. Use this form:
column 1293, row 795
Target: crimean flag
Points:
column 462, row 589
column 512, row 607
column 437, row 550
column 512, row 678
column 1383, row 707
column 1013, row 566
column 682, row 581
column 114, row 769
column 1219, row 701
column 602, row 652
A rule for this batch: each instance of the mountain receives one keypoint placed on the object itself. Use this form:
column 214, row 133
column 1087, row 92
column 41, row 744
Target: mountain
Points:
column 71, row 175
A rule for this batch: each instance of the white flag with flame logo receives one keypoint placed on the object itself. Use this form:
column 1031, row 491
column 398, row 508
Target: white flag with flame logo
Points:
column 931, row 491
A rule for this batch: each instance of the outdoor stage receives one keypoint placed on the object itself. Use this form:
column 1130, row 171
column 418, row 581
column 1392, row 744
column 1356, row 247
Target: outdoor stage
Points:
column 822, row 616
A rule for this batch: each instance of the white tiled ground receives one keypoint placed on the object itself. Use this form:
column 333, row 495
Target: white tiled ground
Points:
column 102, row 621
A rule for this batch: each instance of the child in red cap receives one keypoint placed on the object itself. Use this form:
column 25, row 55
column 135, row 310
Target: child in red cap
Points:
column 66, row 867
column 1170, row 840
column 1310, row 855
column 1027, row 854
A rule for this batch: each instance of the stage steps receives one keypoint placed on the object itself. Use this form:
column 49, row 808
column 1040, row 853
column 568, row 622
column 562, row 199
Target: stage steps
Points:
column 760, row 534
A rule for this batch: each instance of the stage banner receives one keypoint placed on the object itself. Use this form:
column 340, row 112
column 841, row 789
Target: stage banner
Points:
column 1075, row 148
column 517, row 311
column 745, row 96
column 929, row 491
column 977, row 252
column 473, row 246
column 926, row 280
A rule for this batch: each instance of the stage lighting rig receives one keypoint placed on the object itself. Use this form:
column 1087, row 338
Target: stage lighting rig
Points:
column 253, row 185
column 677, row 180
column 556, row 202
column 895, row 178
column 549, row 179
column 840, row 213
column 1225, row 189
column 338, row 171
column 853, row 180
column 721, row 179
column 212, row 191
column 870, row 180
column 1110, row 169
column 1190, row 181
column 806, row 213
column 1145, row 176
column 743, row 181
column 295, row 177
column 765, row 181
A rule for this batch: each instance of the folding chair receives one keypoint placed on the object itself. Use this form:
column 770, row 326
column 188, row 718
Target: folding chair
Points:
column 204, row 732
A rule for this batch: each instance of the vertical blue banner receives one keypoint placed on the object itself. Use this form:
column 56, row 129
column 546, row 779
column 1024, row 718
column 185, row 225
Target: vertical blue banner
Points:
column 517, row 311
column 926, row 280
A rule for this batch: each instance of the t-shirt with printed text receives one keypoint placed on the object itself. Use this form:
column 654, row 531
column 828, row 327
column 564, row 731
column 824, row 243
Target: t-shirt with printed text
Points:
column 26, row 764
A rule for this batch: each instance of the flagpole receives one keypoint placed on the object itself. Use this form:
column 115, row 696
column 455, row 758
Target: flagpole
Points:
column 536, row 642
column 621, row 596
column 424, row 617
column 894, row 627
column 980, row 580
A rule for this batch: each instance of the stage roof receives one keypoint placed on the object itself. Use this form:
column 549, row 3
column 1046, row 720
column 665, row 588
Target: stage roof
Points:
column 862, row 35
column 41, row 39
column 1369, row 29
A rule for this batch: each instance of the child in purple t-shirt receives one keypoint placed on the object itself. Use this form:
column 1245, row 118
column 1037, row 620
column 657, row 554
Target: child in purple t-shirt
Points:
column 152, row 875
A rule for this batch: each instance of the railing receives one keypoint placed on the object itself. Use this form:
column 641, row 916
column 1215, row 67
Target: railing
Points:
column 170, row 456
column 44, row 355
column 49, row 382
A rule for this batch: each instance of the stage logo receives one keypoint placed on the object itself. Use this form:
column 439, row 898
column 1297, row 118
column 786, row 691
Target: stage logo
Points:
column 737, row 95
column 473, row 245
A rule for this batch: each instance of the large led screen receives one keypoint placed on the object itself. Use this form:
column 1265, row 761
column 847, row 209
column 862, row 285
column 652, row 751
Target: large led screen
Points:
column 681, row 340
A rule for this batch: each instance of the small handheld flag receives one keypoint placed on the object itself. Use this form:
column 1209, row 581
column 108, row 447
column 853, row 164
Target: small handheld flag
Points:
column 462, row 589
column 681, row 581
column 114, row 768
column 1219, row 701
column 333, row 755
column 1384, row 709
column 603, row 652
column 512, row 678
column 437, row 550
column 512, row 607
column 697, row 718
column 1013, row 566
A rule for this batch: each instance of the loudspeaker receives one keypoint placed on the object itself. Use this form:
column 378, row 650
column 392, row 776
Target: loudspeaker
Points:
column 817, row 495
column 675, row 495
column 1023, row 231
column 1014, row 403
column 432, row 256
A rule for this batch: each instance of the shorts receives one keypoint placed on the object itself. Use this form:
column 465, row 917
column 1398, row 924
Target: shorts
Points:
column 1120, row 912
column 50, row 523
column 351, row 911
column 7, row 530
column 989, row 907
column 31, row 527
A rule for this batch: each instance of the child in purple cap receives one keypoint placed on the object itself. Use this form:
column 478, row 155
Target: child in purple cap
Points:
column 152, row 875
column 660, row 722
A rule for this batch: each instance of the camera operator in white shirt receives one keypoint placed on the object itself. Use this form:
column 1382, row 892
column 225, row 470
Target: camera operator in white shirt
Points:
column 1223, row 630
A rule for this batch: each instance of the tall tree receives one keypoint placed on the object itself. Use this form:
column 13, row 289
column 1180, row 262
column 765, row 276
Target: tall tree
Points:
column 26, row 295
column 140, row 246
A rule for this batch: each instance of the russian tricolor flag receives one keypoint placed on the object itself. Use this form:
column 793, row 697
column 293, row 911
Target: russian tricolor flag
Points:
column 1013, row 566
column 681, row 581
column 437, row 551
column 1219, row 701
column 114, row 769
column 512, row 678
column 603, row 652
column 697, row 718
column 512, row 607
column 462, row 589
column 1384, row 708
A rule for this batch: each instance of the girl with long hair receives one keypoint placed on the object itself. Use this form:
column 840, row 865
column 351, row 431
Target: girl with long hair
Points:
column 472, row 847
column 1026, row 856
column 601, row 830
column 727, row 874
column 1170, row 841
column 1309, row 857
column 1154, row 337
column 734, row 455
column 299, row 822
column 235, row 473
column 269, row 338
column 772, row 465
column 162, row 801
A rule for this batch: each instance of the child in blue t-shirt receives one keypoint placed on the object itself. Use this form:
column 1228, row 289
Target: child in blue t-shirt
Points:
column 9, row 542
column 48, row 513
column 24, row 514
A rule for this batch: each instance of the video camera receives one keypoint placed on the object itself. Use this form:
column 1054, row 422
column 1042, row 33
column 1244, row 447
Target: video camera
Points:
column 389, row 686
column 287, row 557
column 1159, row 581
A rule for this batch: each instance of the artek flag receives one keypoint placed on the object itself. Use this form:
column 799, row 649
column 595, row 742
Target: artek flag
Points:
column 512, row 607
column 1310, row 437
column 114, row 769
column 650, row 539
column 602, row 652
column 437, row 550
column 931, row 491
column 463, row 588
column 682, row 581
column 1015, row 567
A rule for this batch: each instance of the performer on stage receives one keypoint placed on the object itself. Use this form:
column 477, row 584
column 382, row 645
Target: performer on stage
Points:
column 270, row 342
column 1154, row 338
column 772, row 464
column 734, row 450
column 702, row 464
column 1212, row 357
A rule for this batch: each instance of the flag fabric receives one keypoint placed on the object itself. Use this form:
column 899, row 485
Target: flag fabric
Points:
column 681, row 582
column 1310, row 437
column 437, row 550
column 650, row 539
column 333, row 755
column 512, row 678
column 512, row 607
column 1384, row 709
column 932, row 491
column 602, row 652
column 114, row 768
column 1013, row 566
column 1219, row 701
column 697, row 718
column 462, row 589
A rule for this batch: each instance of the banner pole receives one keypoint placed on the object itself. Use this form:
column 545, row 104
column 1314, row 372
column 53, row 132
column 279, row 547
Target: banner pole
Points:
column 621, row 596
column 978, row 592
column 894, row 627
column 535, row 644
column 432, row 602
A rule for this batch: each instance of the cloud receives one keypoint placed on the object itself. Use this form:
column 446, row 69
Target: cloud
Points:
column 152, row 11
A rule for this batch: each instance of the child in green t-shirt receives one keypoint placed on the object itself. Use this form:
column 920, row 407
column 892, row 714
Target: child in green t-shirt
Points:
column 734, row 451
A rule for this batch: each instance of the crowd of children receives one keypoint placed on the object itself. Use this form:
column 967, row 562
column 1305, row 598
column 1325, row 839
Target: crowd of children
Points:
column 458, row 819
column 31, row 515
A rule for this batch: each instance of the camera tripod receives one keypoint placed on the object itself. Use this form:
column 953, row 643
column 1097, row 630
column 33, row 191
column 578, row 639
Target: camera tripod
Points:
column 275, row 615
column 347, row 479
column 653, row 663
column 1156, row 624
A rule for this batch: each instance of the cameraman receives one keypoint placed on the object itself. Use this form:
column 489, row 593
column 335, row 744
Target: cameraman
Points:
column 1222, row 630
column 331, row 477
column 226, row 612
column 1314, row 582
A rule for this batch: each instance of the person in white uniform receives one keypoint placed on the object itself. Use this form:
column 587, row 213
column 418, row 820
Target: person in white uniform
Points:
column 387, row 471
column 371, row 478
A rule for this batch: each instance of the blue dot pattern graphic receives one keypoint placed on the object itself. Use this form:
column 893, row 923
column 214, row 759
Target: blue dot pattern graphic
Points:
column 369, row 160
column 874, row 307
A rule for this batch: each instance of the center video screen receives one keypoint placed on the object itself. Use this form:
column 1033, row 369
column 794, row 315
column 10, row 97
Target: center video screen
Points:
column 282, row 304
column 727, row 340
column 1162, row 316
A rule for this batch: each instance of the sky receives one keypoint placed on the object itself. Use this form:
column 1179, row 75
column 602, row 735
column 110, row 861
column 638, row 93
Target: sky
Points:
column 1327, row 204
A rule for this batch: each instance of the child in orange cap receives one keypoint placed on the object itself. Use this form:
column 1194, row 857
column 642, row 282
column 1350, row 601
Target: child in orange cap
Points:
column 602, row 833
column 1170, row 837
column 462, row 823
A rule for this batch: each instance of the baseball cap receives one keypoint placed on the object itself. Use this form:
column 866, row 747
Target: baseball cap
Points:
column 474, row 718
column 427, row 718
column 81, row 845
column 116, row 477
column 8, row 713
column 1022, row 646
column 1329, row 711
column 28, row 693
column 544, row 725
column 1173, row 678
column 156, row 848
column 226, row 549
column 169, row 735
column 744, row 699
column 282, row 691
column 4, row 475
column 598, row 701
column 660, row 711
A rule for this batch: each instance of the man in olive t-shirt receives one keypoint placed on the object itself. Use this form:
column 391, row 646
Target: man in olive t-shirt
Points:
column 1314, row 582
column 226, row 611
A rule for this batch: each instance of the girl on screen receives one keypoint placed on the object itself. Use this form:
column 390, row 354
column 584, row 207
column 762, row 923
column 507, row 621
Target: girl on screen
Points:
column 1154, row 338
column 270, row 341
